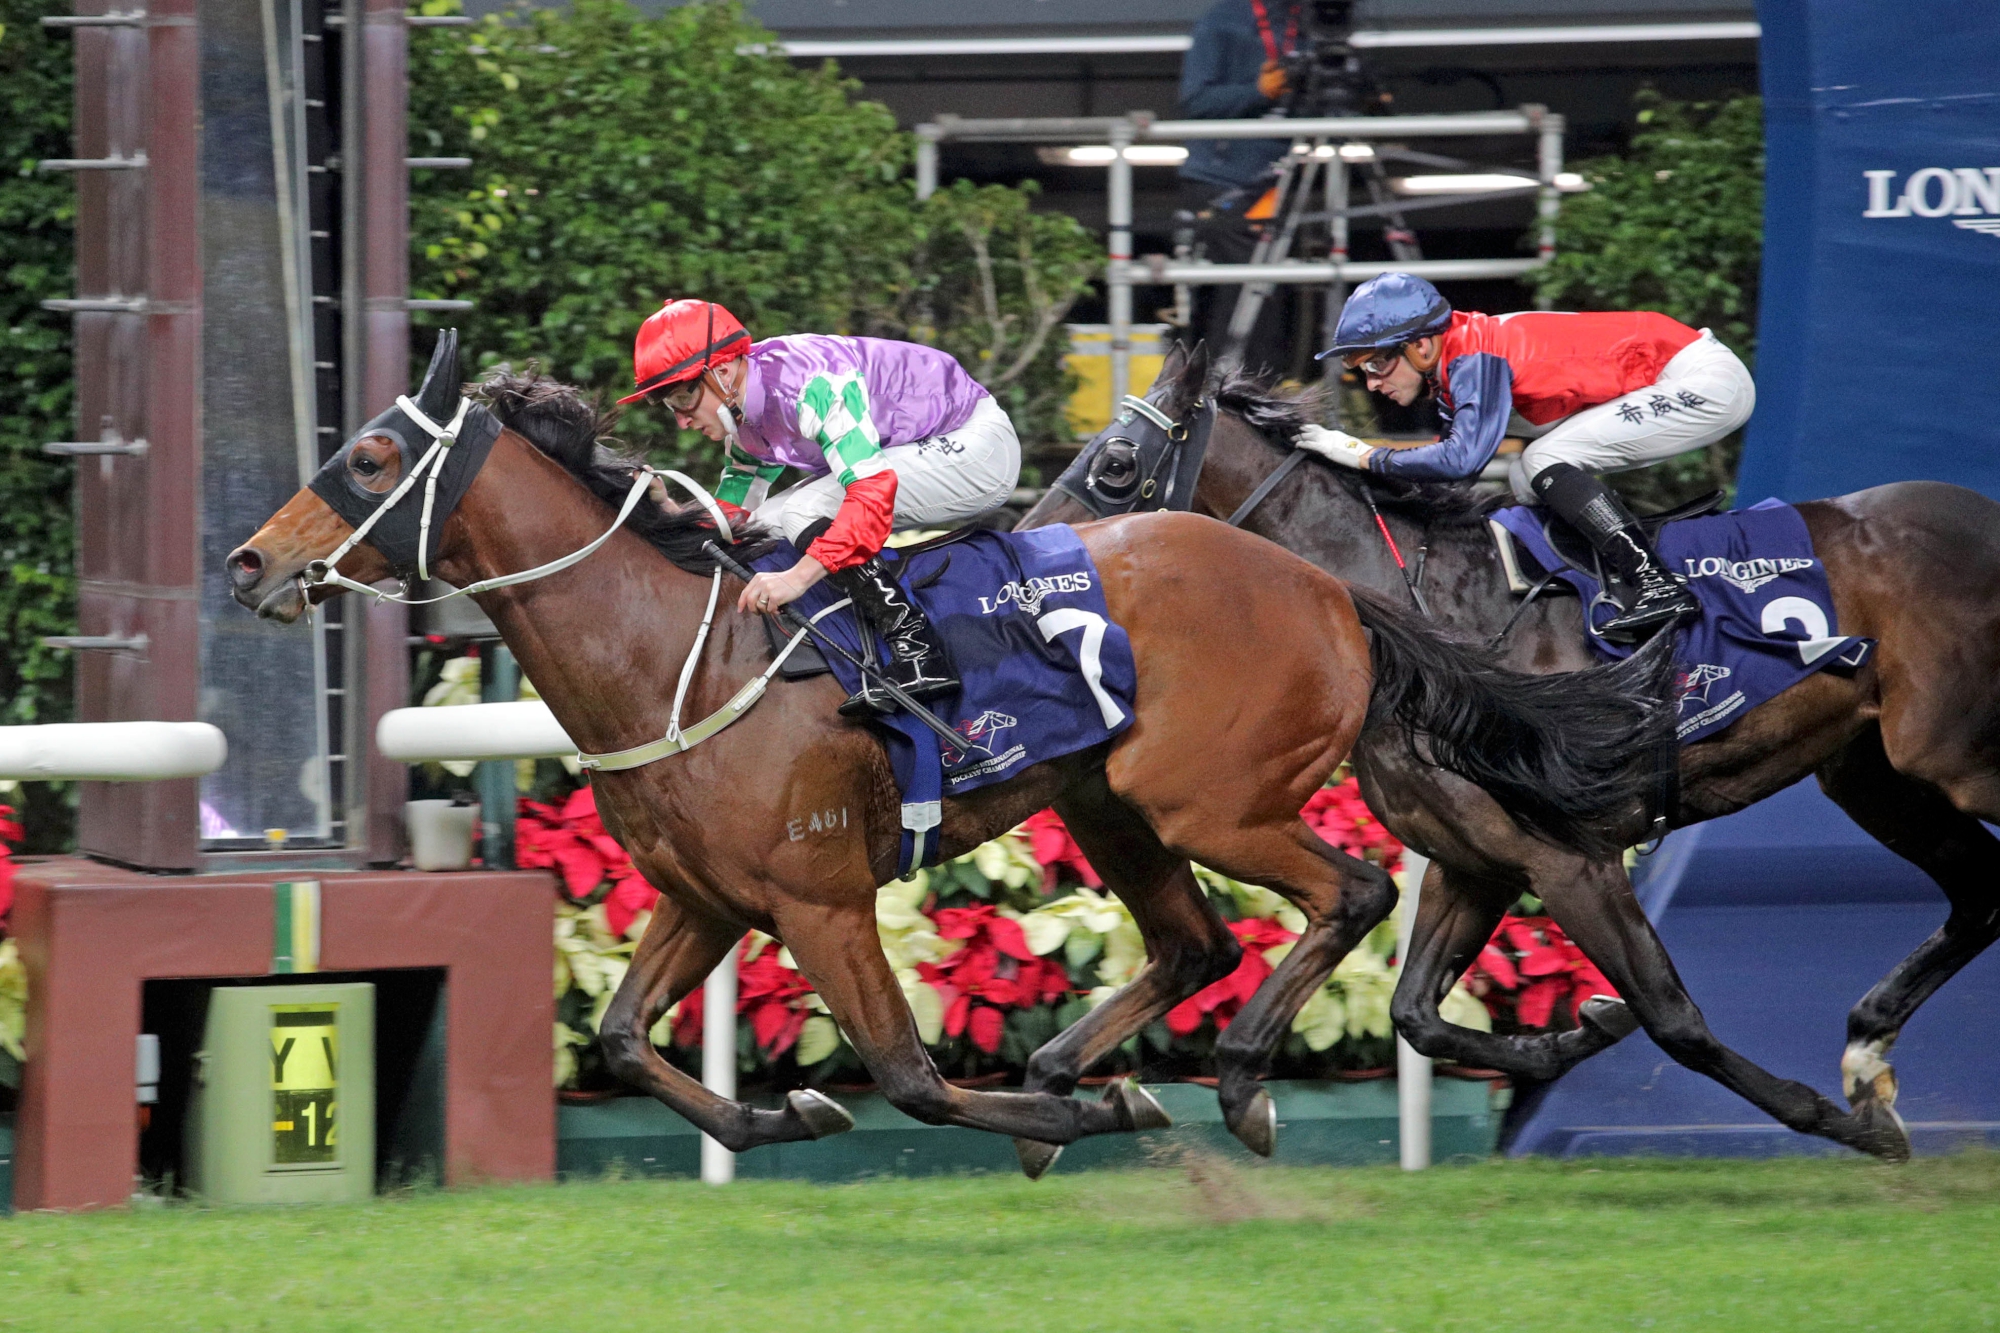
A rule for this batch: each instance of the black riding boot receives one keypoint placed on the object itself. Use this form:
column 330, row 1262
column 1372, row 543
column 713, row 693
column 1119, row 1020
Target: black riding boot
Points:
column 1651, row 595
column 918, row 661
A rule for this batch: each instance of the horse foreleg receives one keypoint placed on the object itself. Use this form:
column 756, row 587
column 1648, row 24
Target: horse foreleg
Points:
column 1918, row 823
column 1343, row 898
column 838, row 951
column 1456, row 916
column 1601, row 916
column 677, row 951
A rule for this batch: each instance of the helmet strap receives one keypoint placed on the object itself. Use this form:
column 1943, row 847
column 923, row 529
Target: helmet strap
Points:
column 1425, row 367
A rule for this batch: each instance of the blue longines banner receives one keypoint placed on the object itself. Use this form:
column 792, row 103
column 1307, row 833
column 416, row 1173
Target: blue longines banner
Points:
column 1878, row 352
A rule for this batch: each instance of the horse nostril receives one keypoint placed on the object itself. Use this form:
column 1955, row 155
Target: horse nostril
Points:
column 246, row 566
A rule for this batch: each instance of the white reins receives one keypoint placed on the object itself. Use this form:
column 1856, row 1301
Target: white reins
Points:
column 677, row 739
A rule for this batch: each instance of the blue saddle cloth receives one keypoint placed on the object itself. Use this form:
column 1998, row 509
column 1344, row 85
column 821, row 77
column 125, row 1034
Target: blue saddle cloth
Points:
column 1046, row 672
column 1767, row 617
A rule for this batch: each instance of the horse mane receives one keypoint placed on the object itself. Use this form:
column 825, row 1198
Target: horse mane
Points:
column 1282, row 413
column 573, row 430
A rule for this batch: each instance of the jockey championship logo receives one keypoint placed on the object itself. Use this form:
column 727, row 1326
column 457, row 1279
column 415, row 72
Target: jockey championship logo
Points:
column 1696, row 684
column 1748, row 575
column 1028, row 595
column 976, row 731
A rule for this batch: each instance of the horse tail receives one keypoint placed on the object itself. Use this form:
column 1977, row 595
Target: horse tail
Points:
column 1569, row 756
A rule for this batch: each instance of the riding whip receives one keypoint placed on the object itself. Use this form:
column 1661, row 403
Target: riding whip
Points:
column 1416, row 594
column 793, row 620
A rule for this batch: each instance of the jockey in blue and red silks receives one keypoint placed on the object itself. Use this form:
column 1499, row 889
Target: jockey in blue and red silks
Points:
column 893, row 436
column 1593, row 392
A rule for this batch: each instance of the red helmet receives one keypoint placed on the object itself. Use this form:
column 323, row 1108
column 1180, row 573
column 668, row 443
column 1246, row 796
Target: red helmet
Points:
column 682, row 339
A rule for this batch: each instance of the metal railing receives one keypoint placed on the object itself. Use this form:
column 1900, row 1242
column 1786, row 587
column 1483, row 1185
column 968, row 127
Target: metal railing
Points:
column 1122, row 273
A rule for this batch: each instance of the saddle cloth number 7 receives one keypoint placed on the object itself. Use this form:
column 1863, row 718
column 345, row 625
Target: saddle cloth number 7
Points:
column 1088, row 655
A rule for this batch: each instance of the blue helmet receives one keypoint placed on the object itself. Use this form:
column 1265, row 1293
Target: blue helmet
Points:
column 1386, row 312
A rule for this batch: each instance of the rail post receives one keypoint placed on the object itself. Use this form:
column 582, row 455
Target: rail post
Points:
column 1413, row 1071
column 1117, row 281
column 718, row 1059
column 1549, row 161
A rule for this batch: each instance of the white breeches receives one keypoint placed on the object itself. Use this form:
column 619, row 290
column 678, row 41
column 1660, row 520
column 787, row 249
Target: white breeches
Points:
column 942, row 481
column 1704, row 393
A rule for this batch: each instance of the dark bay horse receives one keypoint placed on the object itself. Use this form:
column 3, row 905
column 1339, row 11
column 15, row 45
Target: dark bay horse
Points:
column 1233, row 732
column 1909, row 747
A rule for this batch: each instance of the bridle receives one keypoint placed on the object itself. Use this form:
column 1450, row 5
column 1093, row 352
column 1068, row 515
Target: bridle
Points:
column 322, row 573
column 1164, row 466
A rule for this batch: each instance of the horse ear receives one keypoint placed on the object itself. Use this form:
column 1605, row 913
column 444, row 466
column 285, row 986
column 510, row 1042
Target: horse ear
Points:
column 1170, row 367
column 1194, row 374
column 440, row 392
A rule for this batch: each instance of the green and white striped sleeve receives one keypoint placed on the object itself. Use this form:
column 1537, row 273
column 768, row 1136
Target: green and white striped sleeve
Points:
column 745, row 480
column 833, row 412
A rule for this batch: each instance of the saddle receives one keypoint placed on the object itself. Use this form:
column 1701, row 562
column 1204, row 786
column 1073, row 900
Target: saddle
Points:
column 806, row 660
column 1524, row 572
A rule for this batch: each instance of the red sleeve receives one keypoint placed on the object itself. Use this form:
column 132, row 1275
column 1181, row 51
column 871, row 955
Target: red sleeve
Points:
column 864, row 522
column 735, row 513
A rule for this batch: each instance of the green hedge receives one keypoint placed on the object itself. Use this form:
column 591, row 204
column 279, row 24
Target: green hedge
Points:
column 37, row 254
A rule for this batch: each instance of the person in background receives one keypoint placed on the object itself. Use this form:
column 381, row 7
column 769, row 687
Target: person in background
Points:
column 1594, row 392
column 1235, row 70
column 892, row 435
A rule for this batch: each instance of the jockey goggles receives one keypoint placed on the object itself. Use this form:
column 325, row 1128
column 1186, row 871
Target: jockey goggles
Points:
column 1375, row 363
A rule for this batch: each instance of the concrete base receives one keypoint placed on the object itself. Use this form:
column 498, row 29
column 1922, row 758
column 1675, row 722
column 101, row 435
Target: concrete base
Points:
column 92, row 935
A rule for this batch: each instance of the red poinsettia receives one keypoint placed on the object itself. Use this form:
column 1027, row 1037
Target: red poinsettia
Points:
column 994, row 972
column 10, row 833
column 1339, row 815
column 1056, row 851
column 1530, row 967
column 770, row 994
column 1336, row 813
column 1222, row 1000
column 571, row 840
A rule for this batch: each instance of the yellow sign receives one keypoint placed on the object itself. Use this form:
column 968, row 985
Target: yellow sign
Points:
column 305, row 1066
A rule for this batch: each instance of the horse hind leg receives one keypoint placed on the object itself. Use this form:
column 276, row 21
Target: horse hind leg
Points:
column 1342, row 898
column 837, row 950
column 1456, row 916
column 1920, row 824
column 677, row 951
column 1187, row 946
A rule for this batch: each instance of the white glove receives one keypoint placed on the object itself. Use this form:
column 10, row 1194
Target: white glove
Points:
column 1335, row 447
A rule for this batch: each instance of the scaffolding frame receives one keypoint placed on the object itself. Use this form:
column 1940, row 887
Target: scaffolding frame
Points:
column 1122, row 272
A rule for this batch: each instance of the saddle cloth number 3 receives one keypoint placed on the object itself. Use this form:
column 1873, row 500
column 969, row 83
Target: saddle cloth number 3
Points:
column 1088, row 654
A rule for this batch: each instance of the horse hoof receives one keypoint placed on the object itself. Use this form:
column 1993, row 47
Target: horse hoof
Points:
column 823, row 1115
column 1609, row 1015
column 1137, row 1108
column 1036, row 1158
column 1256, row 1125
column 1881, row 1132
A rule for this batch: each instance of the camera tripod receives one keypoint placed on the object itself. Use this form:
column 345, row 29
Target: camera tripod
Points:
column 1324, row 163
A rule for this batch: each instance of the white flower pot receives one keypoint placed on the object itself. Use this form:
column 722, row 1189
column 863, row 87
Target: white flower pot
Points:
column 441, row 834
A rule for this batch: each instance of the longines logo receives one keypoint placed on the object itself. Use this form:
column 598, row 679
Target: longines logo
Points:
column 1969, row 196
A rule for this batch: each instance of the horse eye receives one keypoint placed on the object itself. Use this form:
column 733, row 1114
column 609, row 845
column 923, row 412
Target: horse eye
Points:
column 366, row 466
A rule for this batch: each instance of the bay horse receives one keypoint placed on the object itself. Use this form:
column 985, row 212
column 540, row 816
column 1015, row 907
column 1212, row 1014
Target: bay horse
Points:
column 1234, row 729
column 1909, row 747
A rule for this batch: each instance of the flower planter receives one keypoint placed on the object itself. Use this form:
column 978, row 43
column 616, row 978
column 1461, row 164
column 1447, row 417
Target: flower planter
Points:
column 1320, row 1124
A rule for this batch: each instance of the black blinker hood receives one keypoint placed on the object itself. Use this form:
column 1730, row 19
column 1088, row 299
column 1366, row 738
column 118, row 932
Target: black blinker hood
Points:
column 395, row 534
column 1166, row 468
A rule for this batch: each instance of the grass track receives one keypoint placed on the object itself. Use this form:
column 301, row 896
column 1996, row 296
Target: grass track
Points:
column 1198, row 1244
